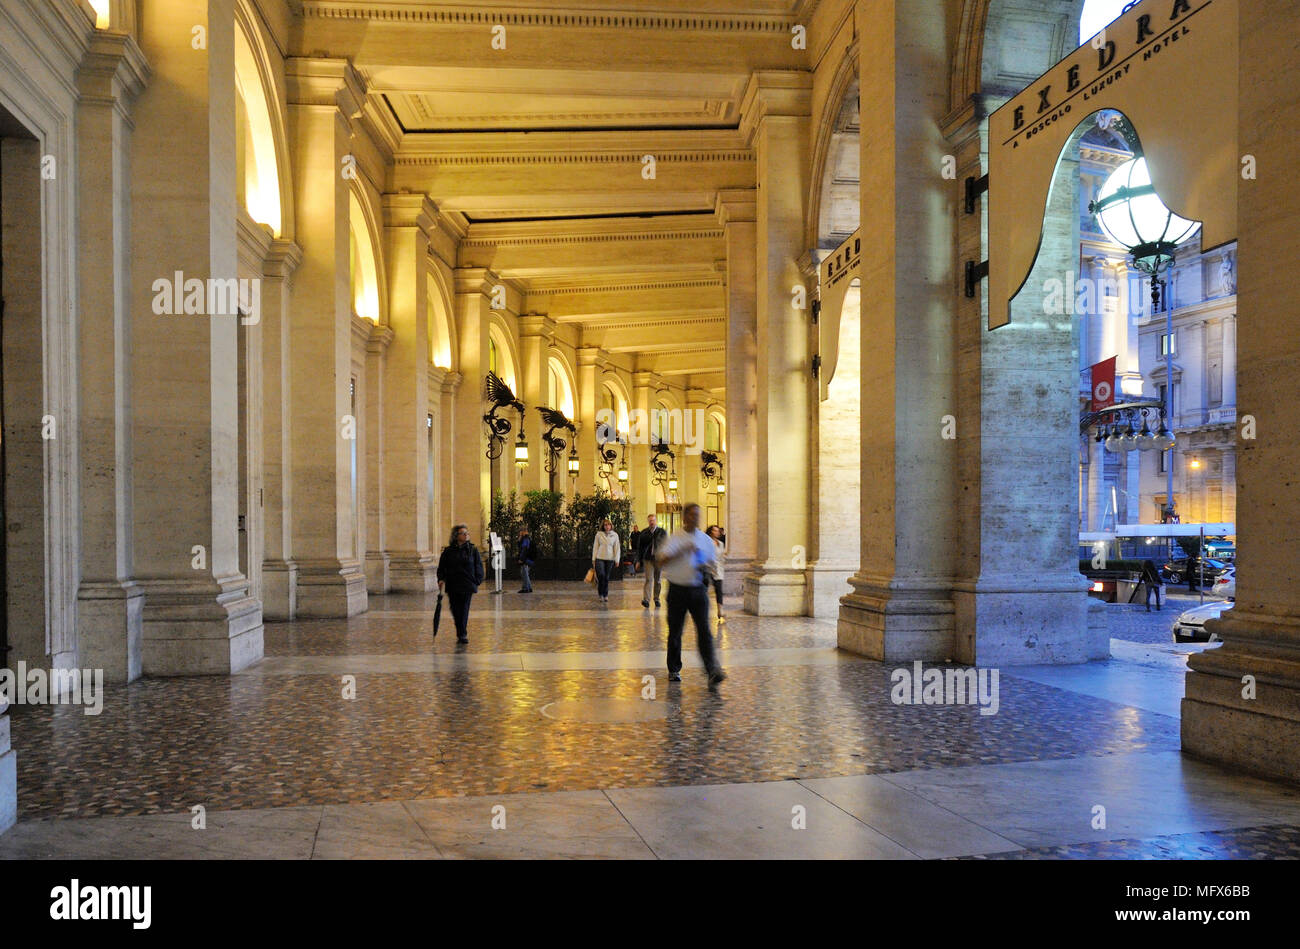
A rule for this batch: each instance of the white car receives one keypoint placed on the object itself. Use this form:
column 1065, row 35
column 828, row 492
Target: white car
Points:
column 1190, row 626
column 1226, row 585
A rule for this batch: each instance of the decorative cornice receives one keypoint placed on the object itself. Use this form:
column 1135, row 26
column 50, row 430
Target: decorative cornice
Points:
column 736, row 207
column 114, row 66
column 282, row 258
column 774, row 92
column 379, row 338
column 323, row 81
column 676, row 156
column 645, row 285
column 590, row 232
column 467, row 15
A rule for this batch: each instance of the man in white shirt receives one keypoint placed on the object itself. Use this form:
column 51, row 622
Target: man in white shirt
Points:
column 688, row 559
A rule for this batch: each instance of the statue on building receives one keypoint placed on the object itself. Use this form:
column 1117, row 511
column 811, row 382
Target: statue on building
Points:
column 1227, row 276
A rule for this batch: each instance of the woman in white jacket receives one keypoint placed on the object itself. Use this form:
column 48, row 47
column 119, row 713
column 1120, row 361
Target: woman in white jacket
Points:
column 716, row 533
column 604, row 555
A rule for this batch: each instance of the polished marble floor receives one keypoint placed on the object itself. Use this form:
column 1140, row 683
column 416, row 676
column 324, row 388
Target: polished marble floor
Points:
column 555, row 733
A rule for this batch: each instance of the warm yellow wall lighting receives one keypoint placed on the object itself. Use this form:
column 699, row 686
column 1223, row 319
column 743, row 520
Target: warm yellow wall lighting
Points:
column 101, row 13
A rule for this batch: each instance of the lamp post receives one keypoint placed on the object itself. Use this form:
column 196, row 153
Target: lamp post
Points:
column 1133, row 216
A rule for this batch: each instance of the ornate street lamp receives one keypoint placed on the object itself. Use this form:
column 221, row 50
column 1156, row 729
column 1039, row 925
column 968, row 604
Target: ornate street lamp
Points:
column 662, row 462
column 574, row 464
column 521, row 451
column 500, row 396
column 555, row 445
column 1133, row 216
column 710, row 468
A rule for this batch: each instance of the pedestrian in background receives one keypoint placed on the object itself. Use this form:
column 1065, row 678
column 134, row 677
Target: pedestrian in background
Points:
column 720, row 546
column 647, row 545
column 460, row 571
column 1151, row 579
column 526, row 559
column 604, row 555
column 635, row 548
column 689, row 560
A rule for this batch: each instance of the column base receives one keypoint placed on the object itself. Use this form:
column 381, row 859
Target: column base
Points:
column 733, row 584
column 378, row 581
column 195, row 628
column 1259, row 735
column 330, row 589
column 8, row 774
column 828, row 583
column 279, row 590
column 413, row 571
column 891, row 620
column 1026, row 621
column 776, row 592
column 110, row 629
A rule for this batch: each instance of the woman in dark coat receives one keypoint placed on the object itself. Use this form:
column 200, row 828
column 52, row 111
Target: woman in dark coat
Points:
column 460, row 571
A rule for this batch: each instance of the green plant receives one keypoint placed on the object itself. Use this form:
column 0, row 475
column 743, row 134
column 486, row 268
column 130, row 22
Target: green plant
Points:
column 542, row 511
column 506, row 518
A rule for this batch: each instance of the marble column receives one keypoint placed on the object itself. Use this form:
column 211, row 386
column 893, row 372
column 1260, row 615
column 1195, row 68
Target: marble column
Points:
column 468, row 459
column 1242, row 704
column 591, row 361
column 412, row 565
column 901, row 607
column 279, row 572
column 199, row 616
column 374, row 499
column 776, row 125
column 689, row 490
column 109, row 602
column 535, row 333
column 446, row 462
column 645, row 496
column 324, row 96
column 737, row 210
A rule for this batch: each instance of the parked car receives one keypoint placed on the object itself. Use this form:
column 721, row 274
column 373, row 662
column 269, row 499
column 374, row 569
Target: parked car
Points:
column 1179, row 571
column 1226, row 585
column 1190, row 626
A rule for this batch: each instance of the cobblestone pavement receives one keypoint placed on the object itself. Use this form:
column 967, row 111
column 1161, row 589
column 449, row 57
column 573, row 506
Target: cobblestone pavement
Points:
column 394, row 715
column 1134, row 624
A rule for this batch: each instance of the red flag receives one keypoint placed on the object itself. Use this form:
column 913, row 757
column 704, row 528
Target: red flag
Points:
column 1103, row 384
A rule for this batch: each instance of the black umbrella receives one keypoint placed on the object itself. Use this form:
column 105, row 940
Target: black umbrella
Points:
column 437, row 615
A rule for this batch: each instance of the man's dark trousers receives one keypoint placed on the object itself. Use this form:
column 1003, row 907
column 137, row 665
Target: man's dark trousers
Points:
column 458, row 600
column 693, row 600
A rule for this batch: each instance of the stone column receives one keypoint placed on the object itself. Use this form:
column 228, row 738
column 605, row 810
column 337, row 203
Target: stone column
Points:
column 375, row 563
column 590, row 362
column 776, row 123
column 199, row 616
column 688, row 462
column 535, row 333
column 412, row 566
column 279, row 572
column 109, row 602
column 645, row 496
column 1230, row 361
column 900, row 607
column 738, row 210
column 447, row 458
column 323, row 97
column 468, row 460
column 1242, row 705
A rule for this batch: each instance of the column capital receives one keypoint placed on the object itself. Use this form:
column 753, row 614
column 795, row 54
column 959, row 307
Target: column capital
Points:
column 114, row 67
column 592, row 356
column 322, row 81
column 411, row 209
column 379, row 338
column 282, row 259
column 451, row 382
column 735, row 206
column 772, row 93
column 536, row 324
column 644, row 380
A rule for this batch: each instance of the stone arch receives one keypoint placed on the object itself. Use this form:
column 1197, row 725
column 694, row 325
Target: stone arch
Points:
column 258, row 90
column 508, row 354
column 369, row 286
column 443, row 345
column 557, row 363
column 836, row 148
column 622, row 397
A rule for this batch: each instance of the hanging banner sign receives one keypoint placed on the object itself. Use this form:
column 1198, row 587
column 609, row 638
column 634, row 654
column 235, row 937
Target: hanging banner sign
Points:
column 838, row 272
column 1170, row 66
column 1103, row 384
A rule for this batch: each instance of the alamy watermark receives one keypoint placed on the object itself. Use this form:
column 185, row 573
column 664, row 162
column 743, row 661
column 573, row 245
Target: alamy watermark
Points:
column 935, row 686
column 671, row 426
column 217, row 296
column 25, row 686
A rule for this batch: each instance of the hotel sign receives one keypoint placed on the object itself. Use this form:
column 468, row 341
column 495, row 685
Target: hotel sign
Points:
column 838, row 271
column 1171, row 67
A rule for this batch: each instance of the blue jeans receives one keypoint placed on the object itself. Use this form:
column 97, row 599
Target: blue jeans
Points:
column 604, row 569
column 526, row 571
